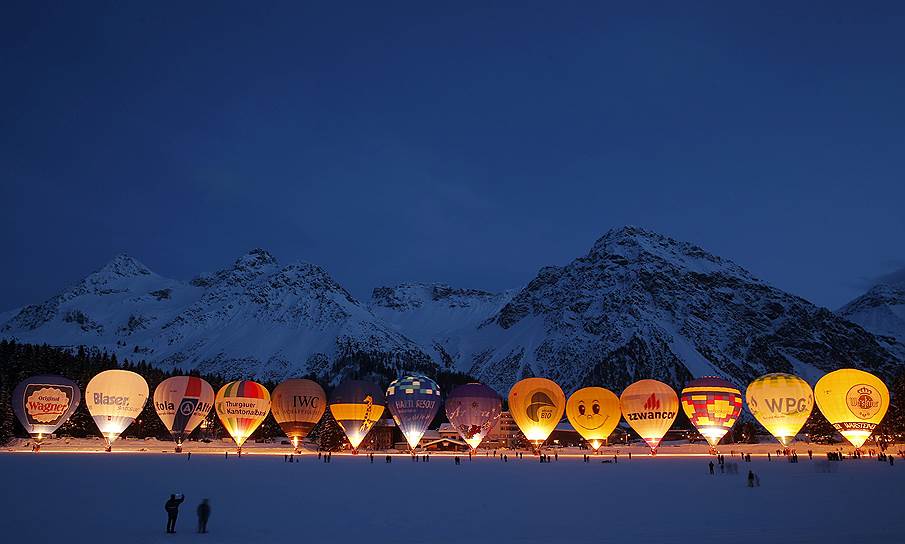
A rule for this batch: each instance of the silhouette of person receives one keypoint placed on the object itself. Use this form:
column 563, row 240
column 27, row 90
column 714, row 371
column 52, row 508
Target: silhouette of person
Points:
column 204, row 512
column 172, row 508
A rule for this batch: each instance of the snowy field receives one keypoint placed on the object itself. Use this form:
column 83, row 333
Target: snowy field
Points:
column 95, row 498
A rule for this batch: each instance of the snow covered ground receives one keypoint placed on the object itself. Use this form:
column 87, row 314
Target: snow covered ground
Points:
column 78, row 498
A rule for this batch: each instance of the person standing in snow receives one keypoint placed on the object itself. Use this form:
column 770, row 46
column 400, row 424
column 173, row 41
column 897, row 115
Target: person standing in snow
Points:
column 711, row 468
column 172, row 509
column 750, row 478
column 204, row 512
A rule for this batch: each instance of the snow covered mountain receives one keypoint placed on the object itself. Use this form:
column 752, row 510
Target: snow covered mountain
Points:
column 638, row 305
column 436, row 316
column 254, row 319
column 881, row 310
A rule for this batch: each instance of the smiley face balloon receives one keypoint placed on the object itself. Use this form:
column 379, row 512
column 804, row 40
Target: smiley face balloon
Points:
column 594, row 413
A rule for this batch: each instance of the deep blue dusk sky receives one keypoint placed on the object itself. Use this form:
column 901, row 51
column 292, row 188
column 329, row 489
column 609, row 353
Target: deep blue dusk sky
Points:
column 470, row 145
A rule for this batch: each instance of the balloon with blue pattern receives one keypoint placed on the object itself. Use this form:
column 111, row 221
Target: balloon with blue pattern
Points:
column 413, row 401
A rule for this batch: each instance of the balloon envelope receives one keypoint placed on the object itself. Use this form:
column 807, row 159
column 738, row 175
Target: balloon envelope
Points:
column 536, row 405
column 297, row 406
column 712, row 405
column 115, row 398
column 473, row 409
column 781, row 403
column 413, row 401
column 182, row 403
column 357, row 405
column 650, row 407
column 594, row 413
column 854, row 401
column 43, row 403
column 242, row 406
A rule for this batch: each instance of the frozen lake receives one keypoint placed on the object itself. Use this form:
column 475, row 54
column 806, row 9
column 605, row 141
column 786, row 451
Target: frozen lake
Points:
column 95, row 498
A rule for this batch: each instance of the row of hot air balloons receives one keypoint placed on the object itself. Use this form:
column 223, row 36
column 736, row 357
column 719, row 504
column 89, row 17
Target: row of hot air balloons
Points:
column 852, row 400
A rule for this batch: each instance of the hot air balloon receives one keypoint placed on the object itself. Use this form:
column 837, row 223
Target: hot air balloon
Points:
column 594, row 413
column 536, row 405
column 650, row 407
column 357, row 405
column 413, row 401
column 43, row 403
column 473, row 409
column 712, row 405
column 297, row 406
column 242, row 406
column 854, row 401
column 115, row 398
column 781, row 403
column 182, row 402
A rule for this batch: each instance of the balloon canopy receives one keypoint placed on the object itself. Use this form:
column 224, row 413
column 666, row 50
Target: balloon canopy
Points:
column 536, row 405
column 43, row 403
column 650, row 408
column 594, row 413
column 297, row 406
column 713, row 405
column 357, row 405
column 242, row 406
column 781, row 403
column 413, row 401
column 854, row 401
column 182, row 403
column 115, row 398
column 473, row 409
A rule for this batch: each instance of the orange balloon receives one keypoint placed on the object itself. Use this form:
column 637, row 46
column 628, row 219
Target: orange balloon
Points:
column 650, row 407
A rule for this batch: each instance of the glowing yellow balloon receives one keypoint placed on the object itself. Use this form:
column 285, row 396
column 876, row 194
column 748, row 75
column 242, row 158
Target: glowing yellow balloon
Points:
column 594, row 413
column 781, row 403
column 242, row 406
column 854, row 401
column 650, row 407
column 115, row 398
column 536, row 405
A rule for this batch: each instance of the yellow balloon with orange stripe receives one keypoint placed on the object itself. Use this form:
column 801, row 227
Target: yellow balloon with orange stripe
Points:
column 854, row 401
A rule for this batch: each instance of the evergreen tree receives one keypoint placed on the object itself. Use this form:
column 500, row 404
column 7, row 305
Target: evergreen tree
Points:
column 327, row 434
column 818, row 429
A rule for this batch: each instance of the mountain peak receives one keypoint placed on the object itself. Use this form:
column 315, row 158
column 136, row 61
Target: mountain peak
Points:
column 122, row 266
column 634, row 245
column 256, row 258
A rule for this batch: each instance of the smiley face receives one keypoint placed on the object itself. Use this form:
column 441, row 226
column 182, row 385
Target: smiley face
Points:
column 589, row 416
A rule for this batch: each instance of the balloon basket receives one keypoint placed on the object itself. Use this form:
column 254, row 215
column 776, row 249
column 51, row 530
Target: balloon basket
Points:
column 108, row 448
column 178, row 448
column 713, row 451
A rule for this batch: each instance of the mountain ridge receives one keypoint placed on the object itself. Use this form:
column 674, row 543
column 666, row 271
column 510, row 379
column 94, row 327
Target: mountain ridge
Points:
column 637, row 305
